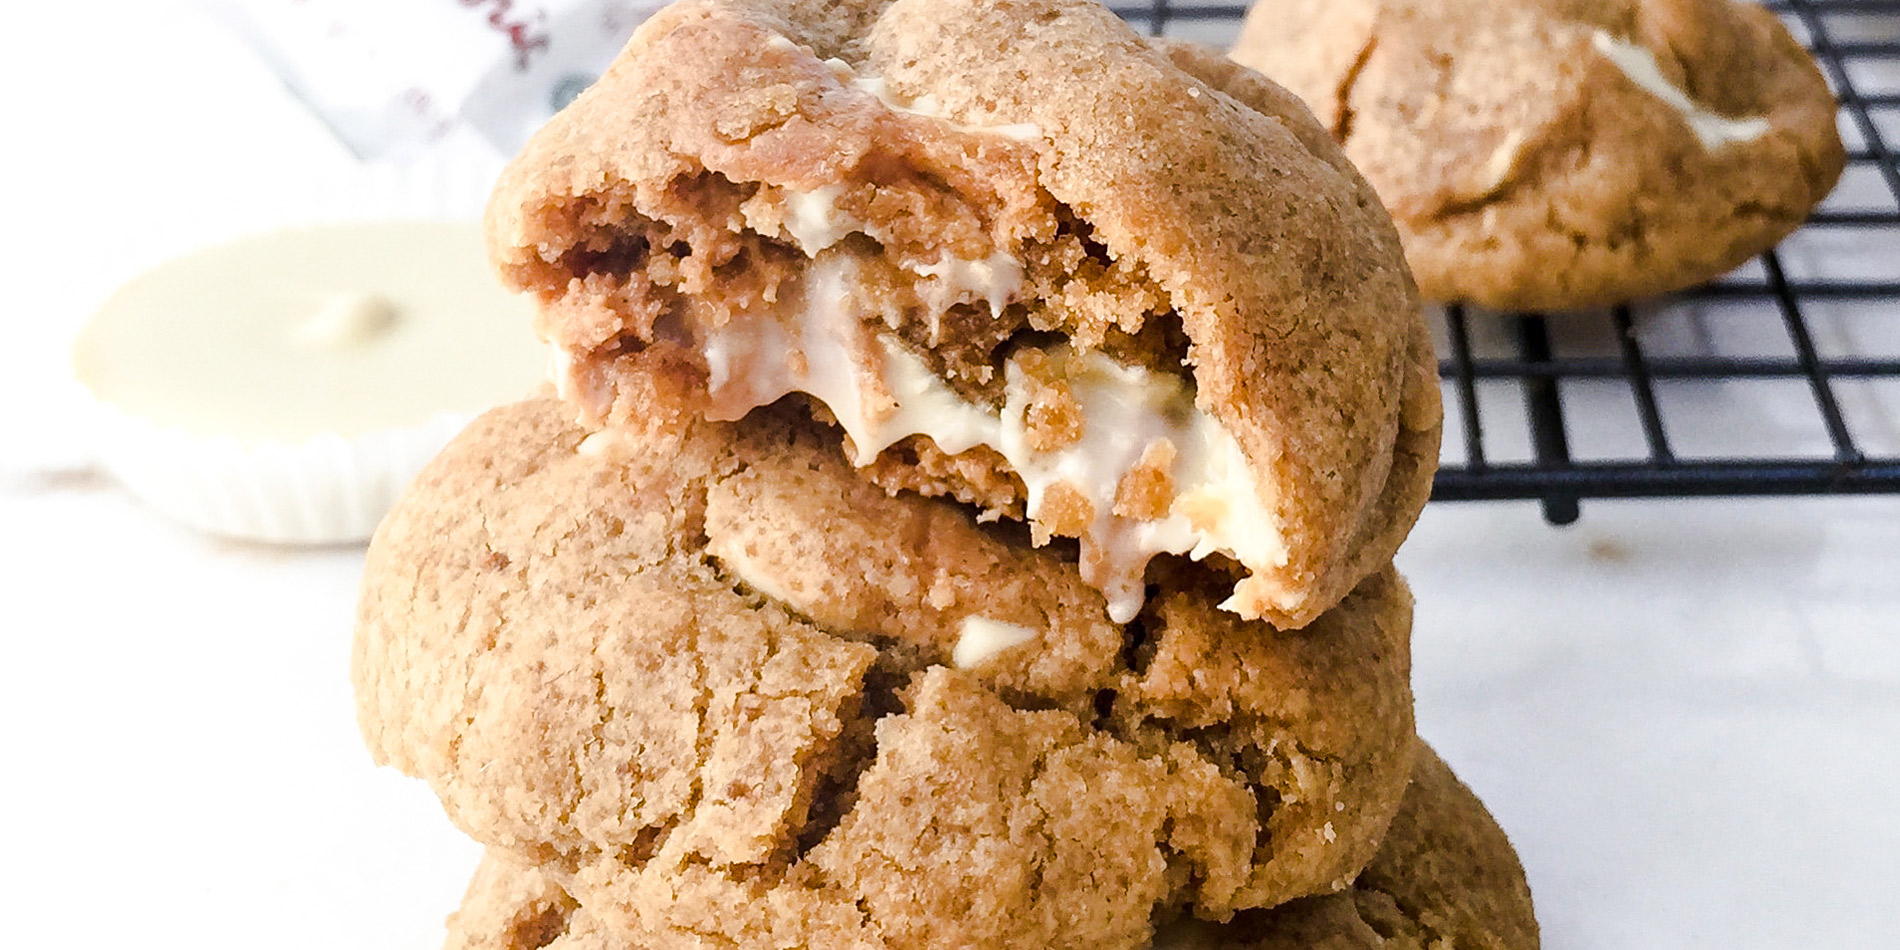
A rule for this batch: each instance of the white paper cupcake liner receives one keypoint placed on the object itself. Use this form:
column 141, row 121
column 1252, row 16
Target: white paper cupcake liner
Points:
column 327, row 489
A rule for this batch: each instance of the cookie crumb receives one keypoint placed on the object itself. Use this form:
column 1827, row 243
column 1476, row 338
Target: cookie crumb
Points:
column 1052, row 420
column 1147, row 491
column 1065, row 510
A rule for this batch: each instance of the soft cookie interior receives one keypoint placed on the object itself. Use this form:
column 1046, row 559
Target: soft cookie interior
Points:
column 906, row 256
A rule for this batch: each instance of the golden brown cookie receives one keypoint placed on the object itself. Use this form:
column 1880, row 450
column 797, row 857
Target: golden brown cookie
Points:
column 1446, row 878
column 1552, row 154
column 720, row 686
column 1446, row 871
column 1022, row 256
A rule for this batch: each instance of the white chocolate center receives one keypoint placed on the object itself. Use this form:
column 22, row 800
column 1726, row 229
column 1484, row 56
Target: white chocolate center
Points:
column 1639, row 64
column 881, row 393
column 813, row 221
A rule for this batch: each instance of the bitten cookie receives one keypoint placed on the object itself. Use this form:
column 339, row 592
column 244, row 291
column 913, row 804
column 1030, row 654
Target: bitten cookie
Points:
column 721, row 688
column 1553, row 154
column 1446, row 878
column 1020, row 255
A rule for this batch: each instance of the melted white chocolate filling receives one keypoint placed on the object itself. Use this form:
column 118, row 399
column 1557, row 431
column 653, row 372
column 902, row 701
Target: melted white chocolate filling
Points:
column 1639, row 64
column 813, row 222
column 1130, row 418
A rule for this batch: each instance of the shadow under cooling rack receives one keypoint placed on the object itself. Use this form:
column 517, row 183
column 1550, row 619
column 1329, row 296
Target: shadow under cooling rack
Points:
column 1782, row 378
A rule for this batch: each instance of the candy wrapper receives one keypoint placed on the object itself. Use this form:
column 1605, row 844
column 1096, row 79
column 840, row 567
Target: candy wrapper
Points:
column 397, row 77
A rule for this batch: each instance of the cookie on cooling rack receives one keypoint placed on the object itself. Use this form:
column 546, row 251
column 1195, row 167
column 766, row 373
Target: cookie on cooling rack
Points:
column 1446, row 877
column 1019, row 255
column 719, row 685
column 1539, row 154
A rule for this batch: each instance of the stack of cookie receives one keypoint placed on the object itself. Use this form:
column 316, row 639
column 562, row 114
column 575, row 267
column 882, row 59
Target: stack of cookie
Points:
column 965, row 517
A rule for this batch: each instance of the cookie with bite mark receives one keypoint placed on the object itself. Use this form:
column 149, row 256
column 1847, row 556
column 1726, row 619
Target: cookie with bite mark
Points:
column 720, row 687
column 1019, row 255
column 1557, row 154
column 1446, row 878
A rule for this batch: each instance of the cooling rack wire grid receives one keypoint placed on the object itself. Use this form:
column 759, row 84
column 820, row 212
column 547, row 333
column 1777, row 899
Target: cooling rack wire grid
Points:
column 1780, row 378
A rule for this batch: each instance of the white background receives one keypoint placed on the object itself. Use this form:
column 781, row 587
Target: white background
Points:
column 1687, row 714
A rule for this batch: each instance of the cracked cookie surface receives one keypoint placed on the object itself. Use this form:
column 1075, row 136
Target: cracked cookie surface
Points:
column 722, row 689
column 1446, row 878
column 1557, row 154
column 961, row 225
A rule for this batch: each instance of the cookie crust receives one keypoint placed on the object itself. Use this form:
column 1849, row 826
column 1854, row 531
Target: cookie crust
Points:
column 1446, row 878
column 989, row 173
column 1550, row 154
column 715, row 669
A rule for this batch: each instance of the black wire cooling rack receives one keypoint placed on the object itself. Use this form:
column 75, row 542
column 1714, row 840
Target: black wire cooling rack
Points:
column 1782, row 378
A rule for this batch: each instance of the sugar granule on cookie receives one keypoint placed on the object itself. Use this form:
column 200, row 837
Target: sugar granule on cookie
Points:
column 1019, row 255
column 722, row 688
column 1548, row 155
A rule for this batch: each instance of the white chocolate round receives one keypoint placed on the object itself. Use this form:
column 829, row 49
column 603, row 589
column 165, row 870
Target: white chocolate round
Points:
column 334, row 329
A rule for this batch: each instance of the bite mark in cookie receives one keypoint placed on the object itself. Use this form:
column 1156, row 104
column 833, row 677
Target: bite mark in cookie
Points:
column 1135, row 429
